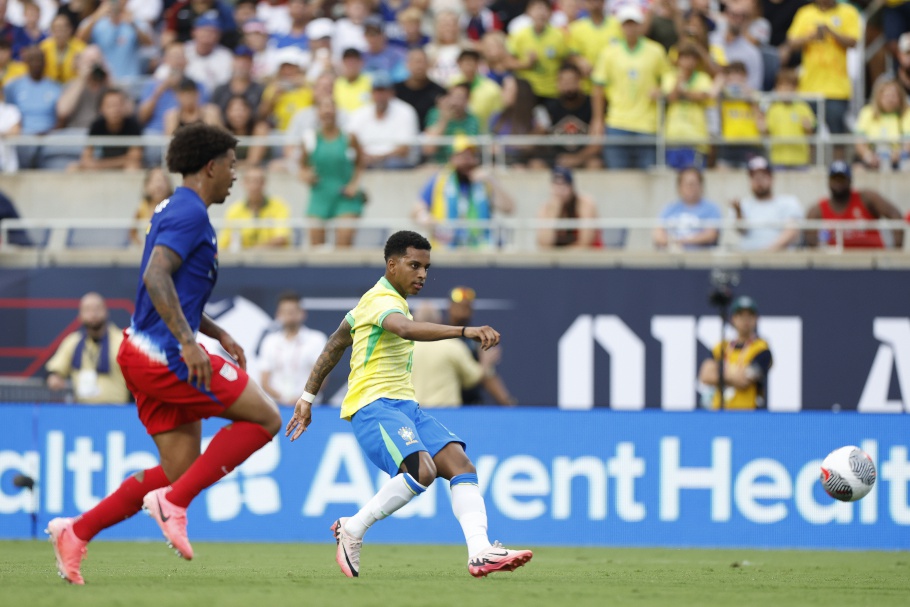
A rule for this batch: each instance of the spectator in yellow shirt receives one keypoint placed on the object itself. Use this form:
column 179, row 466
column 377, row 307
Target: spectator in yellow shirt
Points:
column 739, row 118
column 885, row 119
column 258, row 205
column 824, row 31
column 289, row 93
column 539, row 50
column 788, row 117
column 353, row 89
column 9, row 68
column 60, row 50
column 628, row 77
column 687, row 92
column 589, row 36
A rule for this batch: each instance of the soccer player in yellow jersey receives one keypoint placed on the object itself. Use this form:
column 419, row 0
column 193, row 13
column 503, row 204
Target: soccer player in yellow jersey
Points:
column 627, row 76
column 397, row 436
column 824, row 31
column 539, row 50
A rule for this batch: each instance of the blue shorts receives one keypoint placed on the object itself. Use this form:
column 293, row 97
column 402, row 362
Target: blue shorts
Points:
column 388, row 430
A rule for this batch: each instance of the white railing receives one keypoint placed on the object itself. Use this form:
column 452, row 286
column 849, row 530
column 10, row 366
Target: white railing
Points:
column 502, row 234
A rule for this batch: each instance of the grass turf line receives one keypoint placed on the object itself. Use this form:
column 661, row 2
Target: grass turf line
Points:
column 273, row 575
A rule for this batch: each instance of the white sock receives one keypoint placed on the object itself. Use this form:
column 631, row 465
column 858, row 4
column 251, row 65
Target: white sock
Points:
column 393, row 496
column 471, row 512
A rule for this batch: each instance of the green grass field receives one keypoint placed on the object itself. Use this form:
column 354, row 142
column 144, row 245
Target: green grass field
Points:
column 266, row 575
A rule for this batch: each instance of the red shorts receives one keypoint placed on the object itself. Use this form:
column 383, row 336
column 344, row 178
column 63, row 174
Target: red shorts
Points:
column 165, row 401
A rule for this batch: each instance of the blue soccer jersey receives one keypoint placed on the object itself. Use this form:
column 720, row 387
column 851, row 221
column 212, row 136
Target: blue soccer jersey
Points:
column 180, row 223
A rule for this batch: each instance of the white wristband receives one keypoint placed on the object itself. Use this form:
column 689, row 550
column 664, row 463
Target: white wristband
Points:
column 310, row 398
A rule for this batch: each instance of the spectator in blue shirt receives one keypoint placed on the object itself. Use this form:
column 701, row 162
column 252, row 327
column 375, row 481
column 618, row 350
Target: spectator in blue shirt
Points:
column 158, row 96
column 36, row 97
column 379, row 56
column 30, row 34
column 119, row 37
column 684, row 220
column 296, row 36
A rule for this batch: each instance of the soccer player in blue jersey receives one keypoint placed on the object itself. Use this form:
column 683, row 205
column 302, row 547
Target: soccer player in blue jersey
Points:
column 397, row 436
column 175, row 381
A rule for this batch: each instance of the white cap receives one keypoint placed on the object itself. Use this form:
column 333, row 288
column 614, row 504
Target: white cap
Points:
column 291, row 55
column 320, row 28
column 903, row 43
column 630, row 12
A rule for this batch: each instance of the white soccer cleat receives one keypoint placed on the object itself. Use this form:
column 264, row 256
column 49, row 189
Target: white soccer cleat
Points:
column 497, row 558
column 347, row 554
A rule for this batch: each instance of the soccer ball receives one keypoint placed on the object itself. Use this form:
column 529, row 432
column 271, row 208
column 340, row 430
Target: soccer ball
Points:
column 848, row 474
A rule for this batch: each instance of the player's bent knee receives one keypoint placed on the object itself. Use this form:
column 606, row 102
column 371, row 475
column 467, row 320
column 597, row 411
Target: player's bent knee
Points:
column 273, row 422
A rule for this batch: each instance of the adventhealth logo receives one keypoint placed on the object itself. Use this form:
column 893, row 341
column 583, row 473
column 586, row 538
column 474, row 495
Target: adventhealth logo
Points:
column 249, row 485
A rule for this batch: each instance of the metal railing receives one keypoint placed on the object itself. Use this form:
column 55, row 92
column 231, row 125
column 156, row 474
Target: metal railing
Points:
column 502, row 234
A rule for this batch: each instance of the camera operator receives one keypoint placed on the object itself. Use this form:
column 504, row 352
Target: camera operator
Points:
column 738, row 370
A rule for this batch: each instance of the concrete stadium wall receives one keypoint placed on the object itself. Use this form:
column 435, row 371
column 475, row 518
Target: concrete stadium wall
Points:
column 41, row 194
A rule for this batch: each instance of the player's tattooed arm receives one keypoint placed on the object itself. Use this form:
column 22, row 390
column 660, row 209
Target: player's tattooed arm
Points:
column 339, row 341
column 159, row 283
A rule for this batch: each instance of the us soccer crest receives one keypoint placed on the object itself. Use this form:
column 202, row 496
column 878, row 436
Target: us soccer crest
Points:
column 407, row 435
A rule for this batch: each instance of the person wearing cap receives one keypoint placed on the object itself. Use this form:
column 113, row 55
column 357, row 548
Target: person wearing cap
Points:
column 460, row 314
column 241, row 82
column 566, row 203
column 380, row 56
column 684, row 220
column 687, row 92
column 207, row 62
column 319, row 32
column 539, row 50
column 119, row 36
column 180, row 18
column 627, row 77
column 353, row 88
column 332, row 163
column 791, row 118
column 747, row 361
column 450, row 117
column 385, row 128
column 847, row 204
column 824, row 31
column 486, row 96
column 461, row 191
column 289, row 92
column 418, row 90
column 775, row 217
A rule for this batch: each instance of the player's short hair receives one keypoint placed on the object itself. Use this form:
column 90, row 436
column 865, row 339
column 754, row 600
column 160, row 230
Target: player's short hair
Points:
column 195, row 145
column 399, row 243
column 293, row 296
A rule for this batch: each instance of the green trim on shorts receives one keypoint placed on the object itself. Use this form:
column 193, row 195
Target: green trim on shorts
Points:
column 391, row 446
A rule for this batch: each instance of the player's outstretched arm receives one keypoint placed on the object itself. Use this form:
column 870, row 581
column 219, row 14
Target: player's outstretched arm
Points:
column 405, row 328
column 159, row 283
column 339, row 341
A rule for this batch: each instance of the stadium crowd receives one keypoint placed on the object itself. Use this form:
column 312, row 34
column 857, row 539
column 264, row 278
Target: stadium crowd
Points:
column 396, row 68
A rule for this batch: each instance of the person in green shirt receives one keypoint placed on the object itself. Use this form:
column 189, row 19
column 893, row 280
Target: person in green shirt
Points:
column 450, row 117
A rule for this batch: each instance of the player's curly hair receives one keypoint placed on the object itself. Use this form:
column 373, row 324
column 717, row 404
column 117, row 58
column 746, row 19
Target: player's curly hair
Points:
column 399, row 243
column 195, row 145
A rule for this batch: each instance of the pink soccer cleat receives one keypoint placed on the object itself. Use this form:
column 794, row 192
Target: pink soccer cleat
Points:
column 497, row 558
column 347, row 554
column 171, row 519
column 68, row 549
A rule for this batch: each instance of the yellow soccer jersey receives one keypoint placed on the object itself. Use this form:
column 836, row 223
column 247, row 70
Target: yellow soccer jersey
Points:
column 883, row 126
column 551, row 49
column 350, row 96
column 380, row 360
column 686, row 119
column 786, row 120
column 629, row 77
column 824, row 68
column 738, row 119
column 587, row 40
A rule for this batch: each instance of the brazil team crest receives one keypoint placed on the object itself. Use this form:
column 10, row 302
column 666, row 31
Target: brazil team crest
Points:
column 407, row 435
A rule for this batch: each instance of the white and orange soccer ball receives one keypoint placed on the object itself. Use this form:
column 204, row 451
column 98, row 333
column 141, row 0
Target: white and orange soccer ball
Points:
column 848, row 474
